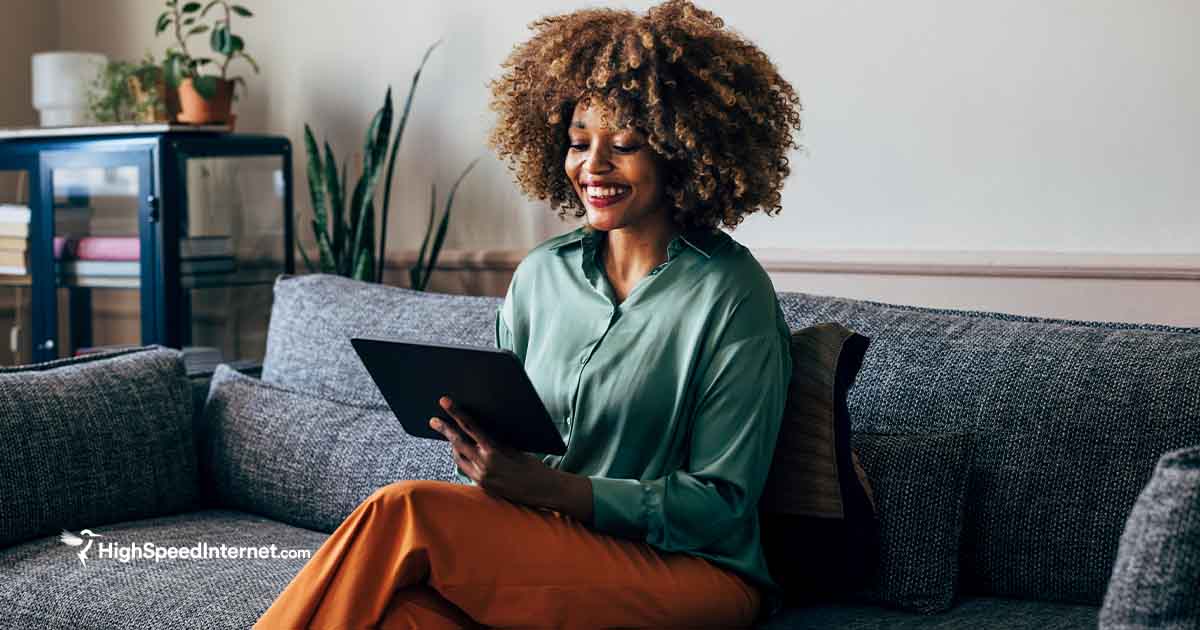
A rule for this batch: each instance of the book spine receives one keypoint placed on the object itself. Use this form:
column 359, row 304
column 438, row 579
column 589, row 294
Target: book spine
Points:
column 107, row 248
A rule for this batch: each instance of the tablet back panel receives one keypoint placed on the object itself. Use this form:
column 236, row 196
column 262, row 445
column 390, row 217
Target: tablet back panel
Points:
column 489, row 384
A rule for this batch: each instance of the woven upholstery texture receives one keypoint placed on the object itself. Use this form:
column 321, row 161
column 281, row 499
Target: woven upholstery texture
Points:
column 95, row 439
column 920, row 484
column 1068, row 420
column 1156, row 579
column 302, row 459
column 980, row 613
column 314, row 317
column 44, row 586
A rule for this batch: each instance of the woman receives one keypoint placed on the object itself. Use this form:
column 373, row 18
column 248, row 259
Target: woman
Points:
column 654, row 339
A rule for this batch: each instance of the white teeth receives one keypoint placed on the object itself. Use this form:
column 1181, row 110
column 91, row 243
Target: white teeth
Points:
column 609, row 191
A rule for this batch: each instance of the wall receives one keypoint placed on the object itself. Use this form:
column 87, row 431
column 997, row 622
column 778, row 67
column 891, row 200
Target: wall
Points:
column 931, row 124
column 26, row 27
column 1033, row 156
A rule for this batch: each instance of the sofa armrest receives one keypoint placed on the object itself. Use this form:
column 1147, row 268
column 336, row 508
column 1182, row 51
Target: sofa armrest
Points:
column 92, row 440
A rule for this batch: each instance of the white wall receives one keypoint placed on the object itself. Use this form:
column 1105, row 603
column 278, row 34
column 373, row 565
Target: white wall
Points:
column 1053, row 125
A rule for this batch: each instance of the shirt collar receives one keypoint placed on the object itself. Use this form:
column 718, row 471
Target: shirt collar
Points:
column 703, row 240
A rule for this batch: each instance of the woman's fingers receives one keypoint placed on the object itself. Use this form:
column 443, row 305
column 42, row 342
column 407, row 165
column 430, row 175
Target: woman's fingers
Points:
column 465, row 421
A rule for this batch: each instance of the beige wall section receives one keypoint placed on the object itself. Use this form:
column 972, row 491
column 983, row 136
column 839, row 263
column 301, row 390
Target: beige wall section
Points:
column 931, row 124
column 26, row 27
column 932, row 127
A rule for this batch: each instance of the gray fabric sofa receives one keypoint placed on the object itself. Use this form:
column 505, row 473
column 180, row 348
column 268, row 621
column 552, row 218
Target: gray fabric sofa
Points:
column 1068, row 420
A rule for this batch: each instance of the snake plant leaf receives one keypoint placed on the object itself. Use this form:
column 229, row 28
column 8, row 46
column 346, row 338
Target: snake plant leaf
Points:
column 337, row 203
column 326, row 252
column 316, row 190
column 374, row 148
column 418, row 270
column 387, row 183
column 362, row 266
column 441, row 234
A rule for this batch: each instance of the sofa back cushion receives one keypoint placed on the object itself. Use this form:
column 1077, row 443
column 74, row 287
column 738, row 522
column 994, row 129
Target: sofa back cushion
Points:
column 302, row 459
column 92, row 440
column 1068, row 417
column 314, row 317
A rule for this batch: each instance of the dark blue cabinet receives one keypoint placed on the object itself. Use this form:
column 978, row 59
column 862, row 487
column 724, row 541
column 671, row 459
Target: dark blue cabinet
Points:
column 212, row 216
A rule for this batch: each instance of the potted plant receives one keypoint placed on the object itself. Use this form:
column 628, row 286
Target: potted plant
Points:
column 204, row 98
column 125, row 91
column 344, row 225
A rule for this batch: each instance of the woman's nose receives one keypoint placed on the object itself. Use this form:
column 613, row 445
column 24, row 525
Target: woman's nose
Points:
column 597, row 161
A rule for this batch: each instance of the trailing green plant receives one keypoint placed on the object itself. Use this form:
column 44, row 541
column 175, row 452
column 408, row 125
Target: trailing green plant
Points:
column 186, row 20
column 113, row 98
column 344, row 225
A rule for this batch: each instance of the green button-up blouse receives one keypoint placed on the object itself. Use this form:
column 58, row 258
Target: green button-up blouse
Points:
column 671, row 400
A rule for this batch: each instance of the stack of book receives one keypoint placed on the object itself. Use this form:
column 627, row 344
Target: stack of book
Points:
column 115, row 261
column 14, row 235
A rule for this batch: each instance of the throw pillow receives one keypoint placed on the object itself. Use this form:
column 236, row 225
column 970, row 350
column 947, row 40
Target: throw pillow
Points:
column 818, row 526
column 303, row 459
column 920, row 484
column 96, row 439
column 1155, row 579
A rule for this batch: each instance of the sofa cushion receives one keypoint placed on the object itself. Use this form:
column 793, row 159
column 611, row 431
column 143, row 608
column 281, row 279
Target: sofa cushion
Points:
column 920, row 484
column 43, row 585
column 1068, row 419
column 314, row 317
column 303, row 459
column 1156, row 580
column 95, row 439
column 980, row 613
column 820, row 535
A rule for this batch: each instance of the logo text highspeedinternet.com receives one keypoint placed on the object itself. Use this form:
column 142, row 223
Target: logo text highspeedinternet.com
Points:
column 198, row 551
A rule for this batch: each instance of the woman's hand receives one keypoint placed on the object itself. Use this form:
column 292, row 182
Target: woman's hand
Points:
column 509, row 473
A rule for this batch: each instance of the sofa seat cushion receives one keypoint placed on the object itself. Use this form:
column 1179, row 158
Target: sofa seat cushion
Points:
column 980, row 613
column 303, row 459
column 43, row 584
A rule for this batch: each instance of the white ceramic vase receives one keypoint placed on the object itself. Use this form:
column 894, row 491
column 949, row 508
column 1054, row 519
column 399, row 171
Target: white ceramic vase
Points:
column 61, row 80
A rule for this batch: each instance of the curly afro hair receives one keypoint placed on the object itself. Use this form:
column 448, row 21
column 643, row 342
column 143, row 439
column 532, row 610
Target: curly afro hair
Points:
column 712, row 106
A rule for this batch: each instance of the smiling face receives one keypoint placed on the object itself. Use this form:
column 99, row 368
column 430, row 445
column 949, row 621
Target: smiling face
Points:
column 614, row 172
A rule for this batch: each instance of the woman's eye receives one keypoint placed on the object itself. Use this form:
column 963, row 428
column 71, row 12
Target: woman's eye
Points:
column 579, row 147
column 622, row 149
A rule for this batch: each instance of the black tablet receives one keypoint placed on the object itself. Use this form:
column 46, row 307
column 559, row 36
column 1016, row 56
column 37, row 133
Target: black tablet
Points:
column 489, row 384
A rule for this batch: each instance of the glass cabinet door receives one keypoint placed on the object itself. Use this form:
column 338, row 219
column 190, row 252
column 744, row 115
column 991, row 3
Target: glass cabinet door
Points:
column 231, row 249
column 16, row 296
column 98, row 199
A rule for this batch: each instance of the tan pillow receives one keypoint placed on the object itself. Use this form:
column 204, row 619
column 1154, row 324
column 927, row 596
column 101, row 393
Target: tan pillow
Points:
column 820, row 530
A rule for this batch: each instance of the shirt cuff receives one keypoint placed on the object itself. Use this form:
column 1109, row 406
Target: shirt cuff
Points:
column 619, row 506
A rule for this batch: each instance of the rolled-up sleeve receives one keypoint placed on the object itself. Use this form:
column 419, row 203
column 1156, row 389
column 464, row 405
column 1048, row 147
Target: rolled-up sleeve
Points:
column 740, row 400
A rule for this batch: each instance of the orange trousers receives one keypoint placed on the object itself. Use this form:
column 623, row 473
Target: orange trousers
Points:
column 431, row 554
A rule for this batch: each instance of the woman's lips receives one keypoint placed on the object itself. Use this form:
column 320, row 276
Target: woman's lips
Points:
column 601, row 202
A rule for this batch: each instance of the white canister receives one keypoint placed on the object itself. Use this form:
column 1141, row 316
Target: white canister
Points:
column 61, row 81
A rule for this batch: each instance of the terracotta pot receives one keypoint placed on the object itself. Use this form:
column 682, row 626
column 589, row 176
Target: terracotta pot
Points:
column 194, row 109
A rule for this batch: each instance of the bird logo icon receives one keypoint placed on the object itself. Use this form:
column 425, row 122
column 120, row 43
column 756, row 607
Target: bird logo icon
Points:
column 74, row 541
